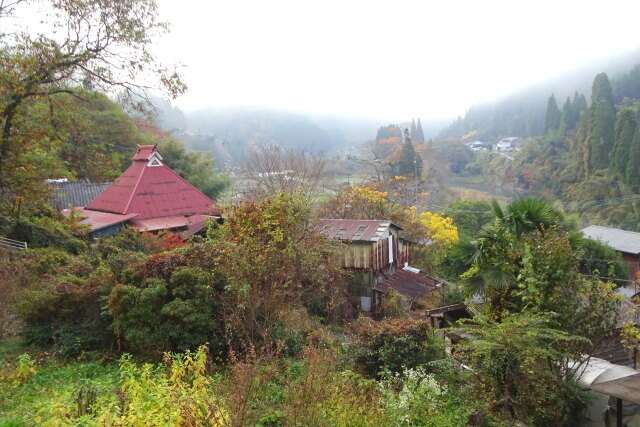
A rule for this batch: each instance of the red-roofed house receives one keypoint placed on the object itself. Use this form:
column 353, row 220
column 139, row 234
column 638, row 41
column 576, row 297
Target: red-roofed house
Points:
column 150, row 196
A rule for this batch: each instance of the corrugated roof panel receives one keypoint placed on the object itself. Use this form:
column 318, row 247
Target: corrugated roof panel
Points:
column 153, row 224
column 407, row 283
column 620, row 240
column 75, row 193
column 98, row 220
column 355, row 229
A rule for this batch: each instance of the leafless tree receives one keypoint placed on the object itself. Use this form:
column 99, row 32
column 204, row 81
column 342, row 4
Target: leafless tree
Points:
column 275, row 169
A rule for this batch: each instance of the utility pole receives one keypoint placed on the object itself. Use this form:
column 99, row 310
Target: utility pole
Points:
column 415, row 168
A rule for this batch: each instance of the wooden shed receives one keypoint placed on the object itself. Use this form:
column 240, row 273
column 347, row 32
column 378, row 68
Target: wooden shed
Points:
column 374, row 250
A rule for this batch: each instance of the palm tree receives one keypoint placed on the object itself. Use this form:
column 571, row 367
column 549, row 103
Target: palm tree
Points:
column 495, row 252
column 527, row 215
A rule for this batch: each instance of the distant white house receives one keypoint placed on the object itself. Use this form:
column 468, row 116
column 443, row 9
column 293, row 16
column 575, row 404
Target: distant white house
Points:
column 509, row 144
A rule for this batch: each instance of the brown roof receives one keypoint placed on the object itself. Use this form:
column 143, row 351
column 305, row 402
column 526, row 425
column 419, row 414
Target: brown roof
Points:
column 99, row 220
column 154, row 224
column 409, row 284
column 355, row 229
column 196, row 224
column 193, row 223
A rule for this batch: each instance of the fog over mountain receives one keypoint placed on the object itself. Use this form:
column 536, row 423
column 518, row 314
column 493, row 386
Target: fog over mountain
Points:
column 229, row 132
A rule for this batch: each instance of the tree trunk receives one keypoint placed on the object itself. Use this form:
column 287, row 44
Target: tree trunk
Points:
column 5, row 143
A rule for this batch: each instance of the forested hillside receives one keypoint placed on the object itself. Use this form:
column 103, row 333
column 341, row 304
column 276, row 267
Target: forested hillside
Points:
column 84, row 135
column 584, row 150
column 523, row 113
column 589, row 157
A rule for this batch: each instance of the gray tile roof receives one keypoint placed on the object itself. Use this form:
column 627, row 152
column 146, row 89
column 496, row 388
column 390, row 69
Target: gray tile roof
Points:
column 76, row 193
column 620, row 240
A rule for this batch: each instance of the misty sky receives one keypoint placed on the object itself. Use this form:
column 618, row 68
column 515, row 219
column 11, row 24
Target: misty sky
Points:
column 392, row 59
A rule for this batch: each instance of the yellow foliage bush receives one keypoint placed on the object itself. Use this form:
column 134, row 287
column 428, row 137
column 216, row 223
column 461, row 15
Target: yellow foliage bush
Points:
column 441, row 229
column 24, row 370
column 177, row 395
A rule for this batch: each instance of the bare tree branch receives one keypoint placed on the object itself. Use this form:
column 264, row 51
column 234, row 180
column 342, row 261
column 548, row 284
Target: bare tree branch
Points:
column 275, row 169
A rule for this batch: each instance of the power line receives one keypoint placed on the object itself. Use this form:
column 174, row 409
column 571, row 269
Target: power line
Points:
column 104, row 142
column 567, row 206
column 88, row 138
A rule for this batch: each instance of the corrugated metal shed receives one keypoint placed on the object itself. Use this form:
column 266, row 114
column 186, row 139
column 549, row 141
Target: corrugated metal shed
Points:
column 99, row 220
column 409, row 284
column 75, row 193
column 151, row 189
column 357, row 230
column 620, row 240
column 626, row 388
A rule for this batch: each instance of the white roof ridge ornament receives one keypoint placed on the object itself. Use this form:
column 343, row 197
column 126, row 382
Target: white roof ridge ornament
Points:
column 155, row 159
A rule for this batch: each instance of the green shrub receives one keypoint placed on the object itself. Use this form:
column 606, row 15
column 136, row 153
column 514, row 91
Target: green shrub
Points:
column 24, row 370
column 75, row 246
column 37, row 236
column 393, row 345
column 601, row 260
column 178, row 394
column 47, row 260
column 176, row 312
column 65, row 313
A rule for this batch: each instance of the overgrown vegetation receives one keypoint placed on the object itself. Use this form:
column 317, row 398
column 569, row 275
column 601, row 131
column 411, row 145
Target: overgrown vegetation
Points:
column 252, row 323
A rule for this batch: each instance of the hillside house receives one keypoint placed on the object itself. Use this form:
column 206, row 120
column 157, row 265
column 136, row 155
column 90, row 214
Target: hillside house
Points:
column 627, row 243
column 509, row 144
column 149, row 196
column 479, row 146
column 378, row 257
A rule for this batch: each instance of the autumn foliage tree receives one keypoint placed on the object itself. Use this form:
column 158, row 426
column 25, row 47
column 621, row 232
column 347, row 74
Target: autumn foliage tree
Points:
column 387, row 201
column 101, row 44
column 276, row 260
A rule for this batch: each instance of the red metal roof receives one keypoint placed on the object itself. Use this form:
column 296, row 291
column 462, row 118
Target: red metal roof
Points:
column 355, row 229
column 154, row 224
column 144, row 152
column 409, row 284
column 151, row 189
column 99, row 220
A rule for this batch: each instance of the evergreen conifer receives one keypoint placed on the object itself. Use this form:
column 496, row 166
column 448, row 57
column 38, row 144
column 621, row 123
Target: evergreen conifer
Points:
column 410, row 162
column 601, row 90
column 601, row 136
column 632, row 173
column 553, row 116
column 624, row 134
column 419, row 138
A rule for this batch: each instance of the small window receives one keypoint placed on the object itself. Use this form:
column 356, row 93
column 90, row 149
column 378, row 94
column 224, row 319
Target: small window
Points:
column 360, row 231
column 340, row 233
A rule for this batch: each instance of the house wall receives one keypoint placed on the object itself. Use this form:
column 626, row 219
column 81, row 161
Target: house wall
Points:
column 112, row 230
column 633, row 261
column 374, row 262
